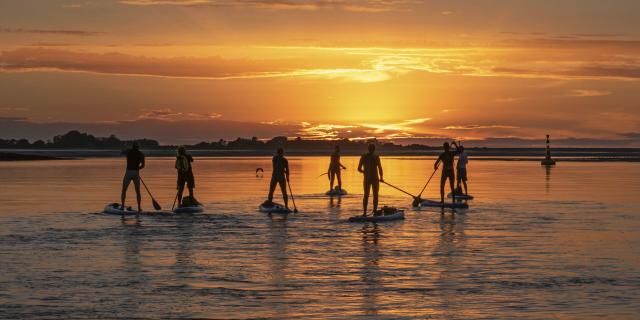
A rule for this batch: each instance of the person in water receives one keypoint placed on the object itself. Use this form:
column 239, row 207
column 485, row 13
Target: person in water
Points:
column 461, row 168
column 279, row 176
column 334, row 169
column 185, row 175
column 135, row 162
column 372, row 169
column 447, row 158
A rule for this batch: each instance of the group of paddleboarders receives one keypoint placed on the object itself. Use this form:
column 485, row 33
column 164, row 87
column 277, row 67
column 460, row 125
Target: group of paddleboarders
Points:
column 136, row 162
column 369, row 165
column 373, row 174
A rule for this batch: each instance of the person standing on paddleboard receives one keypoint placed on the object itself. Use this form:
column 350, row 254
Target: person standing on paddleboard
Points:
column 372, row 169
column 135, row 162
column 279, row 176
column 334, row 168
column 461, row 169
column 447, row 158
column 185, row 175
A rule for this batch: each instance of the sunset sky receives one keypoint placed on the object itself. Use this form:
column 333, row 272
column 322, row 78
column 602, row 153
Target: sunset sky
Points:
column 493, row 72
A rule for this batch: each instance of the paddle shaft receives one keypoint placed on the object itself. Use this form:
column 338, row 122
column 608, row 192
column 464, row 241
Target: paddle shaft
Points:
column 174, row 201
column 425, row 185
column 295, row 209
column 327, row 173
column 392, row 186
column 156, row 205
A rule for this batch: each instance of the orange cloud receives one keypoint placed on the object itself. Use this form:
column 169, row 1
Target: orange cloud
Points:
column 167, row 114
column 587, row 93
column 365, row 6
column 479, row 127
column 350, row 64
column 66, row 32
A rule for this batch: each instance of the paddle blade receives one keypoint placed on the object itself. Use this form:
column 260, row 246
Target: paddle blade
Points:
column 156, row 205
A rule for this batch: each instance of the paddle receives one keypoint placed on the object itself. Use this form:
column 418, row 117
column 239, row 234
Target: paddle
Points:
column 156, row 205
column 295, row 209
column 425, row 185
column 328, row 173
column 174, row 201
column 392, row 186
column 416, row 200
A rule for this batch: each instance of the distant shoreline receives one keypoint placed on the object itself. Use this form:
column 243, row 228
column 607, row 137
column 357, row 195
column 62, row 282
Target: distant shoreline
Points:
column 494, row 154
column 8, row 156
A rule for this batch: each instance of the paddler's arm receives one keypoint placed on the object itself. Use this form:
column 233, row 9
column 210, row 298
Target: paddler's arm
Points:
column 457, row 148
column 435, row 165
column 360, row 165
column 142, row 162
column 379, row 165
column 286, row 168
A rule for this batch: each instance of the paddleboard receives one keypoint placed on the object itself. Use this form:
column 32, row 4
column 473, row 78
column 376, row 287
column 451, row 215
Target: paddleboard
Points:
column 437, row 204
column 190, row 209
column 114, row 208
column 336, row 192
column 397, row 215
column 461, row 196
column 274, row 208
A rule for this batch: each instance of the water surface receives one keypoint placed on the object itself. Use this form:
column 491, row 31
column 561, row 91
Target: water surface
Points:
column 536, row 243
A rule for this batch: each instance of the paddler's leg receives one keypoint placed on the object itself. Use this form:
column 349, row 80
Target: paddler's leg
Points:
column 125, row 185
column 180, row 188
column 365, row 198
column 332, row 176
column 283, row 188
column 463, row 178
column 376, row 190
column 451, row 182
column 272, row 188
column 136, row 184
column 339, row 179
column 191, row 184
column 191, row 194
column 443, row 180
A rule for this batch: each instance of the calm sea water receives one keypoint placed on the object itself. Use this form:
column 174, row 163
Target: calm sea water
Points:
column 536, row 243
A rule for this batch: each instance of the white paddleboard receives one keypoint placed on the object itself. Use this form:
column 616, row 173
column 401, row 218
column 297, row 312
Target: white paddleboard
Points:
column 336, row 192
column 190, row 209
column 398, row 215
column 275, row 208
column 114, row 208
column 461, row 196
column 437, row 204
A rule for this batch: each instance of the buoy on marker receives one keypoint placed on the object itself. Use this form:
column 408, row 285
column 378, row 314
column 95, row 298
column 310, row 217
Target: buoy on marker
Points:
column 547, row 161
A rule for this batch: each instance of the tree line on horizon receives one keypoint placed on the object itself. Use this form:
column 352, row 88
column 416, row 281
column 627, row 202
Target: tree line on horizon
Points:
column 78, row 140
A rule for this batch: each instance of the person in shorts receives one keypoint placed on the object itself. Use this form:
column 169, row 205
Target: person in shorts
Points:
column 185, row 175
column 461, row 169
column 371, row 168
column 135, row 162
column 334, row 169
column 279, row 177
column 447, row 158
